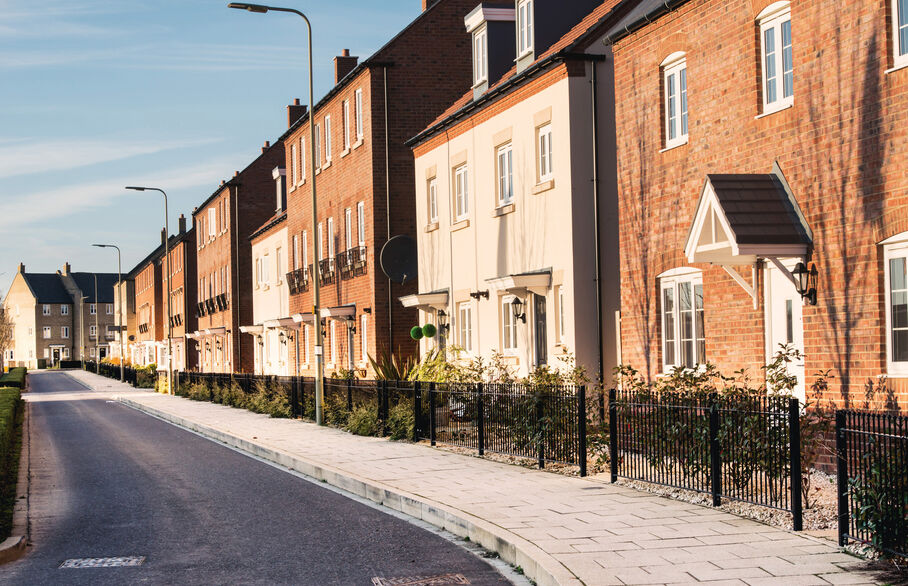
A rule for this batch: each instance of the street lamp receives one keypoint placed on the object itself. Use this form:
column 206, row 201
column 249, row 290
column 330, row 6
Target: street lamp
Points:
column 167, row 268
column 316, row 310
column 119, row 301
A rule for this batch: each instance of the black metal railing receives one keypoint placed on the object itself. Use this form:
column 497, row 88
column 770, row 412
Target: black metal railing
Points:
column 352, row 262
column 298, row 280
column 112, row 371
column 739, row 448
column 872, row 476
column 326, row 271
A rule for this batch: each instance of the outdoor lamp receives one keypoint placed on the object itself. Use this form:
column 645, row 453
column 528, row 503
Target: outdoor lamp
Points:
column 248, row 7
column 807, row 282
column 443, row 322
column 516, row 306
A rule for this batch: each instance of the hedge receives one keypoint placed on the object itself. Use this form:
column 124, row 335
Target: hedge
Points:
column 10, row 405
column 14, row 378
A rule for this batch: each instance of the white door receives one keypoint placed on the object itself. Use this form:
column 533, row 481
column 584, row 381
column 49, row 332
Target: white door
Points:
column 784, row 321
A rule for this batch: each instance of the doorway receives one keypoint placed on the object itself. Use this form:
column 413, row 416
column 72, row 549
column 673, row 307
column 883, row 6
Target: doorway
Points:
column 785, row 321
column 539, row 325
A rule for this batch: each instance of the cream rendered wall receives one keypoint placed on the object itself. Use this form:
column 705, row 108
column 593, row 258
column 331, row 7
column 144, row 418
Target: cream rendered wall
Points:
column 538, row 234
column 21, row 307
column 270, row 301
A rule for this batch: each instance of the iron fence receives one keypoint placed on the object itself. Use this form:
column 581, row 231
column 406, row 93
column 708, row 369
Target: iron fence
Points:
column 112, row 371
column 739, row 448
column 872, row 476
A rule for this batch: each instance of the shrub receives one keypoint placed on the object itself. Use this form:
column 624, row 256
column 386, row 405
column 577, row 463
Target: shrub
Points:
column 10, row 414
column 401, row 422
column 363, row 421
column 881, row 499
column 269, row 400
column 146, row 376
column 199, row 392
column 15, row 378
column 335, row 411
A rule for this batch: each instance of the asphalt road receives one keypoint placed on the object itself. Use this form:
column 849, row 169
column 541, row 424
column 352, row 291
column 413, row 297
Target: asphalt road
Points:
column 108, row 481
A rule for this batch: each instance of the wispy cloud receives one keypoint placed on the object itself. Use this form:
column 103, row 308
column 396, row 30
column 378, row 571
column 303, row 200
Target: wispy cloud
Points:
column 23, row 157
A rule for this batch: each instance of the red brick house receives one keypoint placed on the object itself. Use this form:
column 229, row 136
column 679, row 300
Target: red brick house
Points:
column 752, row 136
column 365, row 185
column 223, row 223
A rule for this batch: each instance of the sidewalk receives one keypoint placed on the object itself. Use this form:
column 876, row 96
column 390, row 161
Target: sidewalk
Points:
column 560, row 530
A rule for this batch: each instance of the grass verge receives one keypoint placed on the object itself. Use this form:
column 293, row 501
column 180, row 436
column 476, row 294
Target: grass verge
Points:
column 11, row 413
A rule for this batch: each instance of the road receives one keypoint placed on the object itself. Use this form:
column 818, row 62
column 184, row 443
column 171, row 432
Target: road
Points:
column 108, row 481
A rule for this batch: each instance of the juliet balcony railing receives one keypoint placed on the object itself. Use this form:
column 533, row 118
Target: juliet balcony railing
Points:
column 298, row 280
column 326, row 271
column 352, row 262
column 213, row 305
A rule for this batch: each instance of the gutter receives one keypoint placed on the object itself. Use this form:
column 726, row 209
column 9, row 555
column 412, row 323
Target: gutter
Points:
column 647, row 18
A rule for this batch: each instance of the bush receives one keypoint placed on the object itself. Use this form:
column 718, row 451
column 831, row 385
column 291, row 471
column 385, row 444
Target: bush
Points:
column 363, row 421
column 15, row 378
column 198, row 392
column 146, row 376
column 10, row 413
column 269, row 400
column 335, row 411
column 401, row 422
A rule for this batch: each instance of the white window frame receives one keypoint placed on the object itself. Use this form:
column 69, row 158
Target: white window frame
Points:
column 294, row 176
column 318, row 146
column 480, row 56
column 328, row 138
column 66, row 353
column 504, row 165
column 109, row 309
column 331, row 246
column 305, row 251
column 64, row 332
column 47, row 333
column 432, row 203
column 465, row 326
column 92, row 308
column 358, row 98
column 302, row 175
column 672, row 280
column 771, row 20
column 461, row 193
column 258, row 272
column 509, row 343
column 321, row 242
column 45, row 309
column 524, row 27
column 674, row 79
column 64, row 310
column 346, row 121
column 91, row 352
column 296, row 252
column 893, row 248
column 348, row 229
column 361, row 222
column 544, row 162
column 559, row 299
column 364, row 338
column 900, row 49
column 306, row 345
column 333, row 330
column 277, row 266
column 212, row 223
column 93, row 331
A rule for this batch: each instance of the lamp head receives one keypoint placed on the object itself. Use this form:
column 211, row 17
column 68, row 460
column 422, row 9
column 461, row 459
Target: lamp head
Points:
column 801, row 274
column 135, row 188
column 258, row 8
column 101, row 245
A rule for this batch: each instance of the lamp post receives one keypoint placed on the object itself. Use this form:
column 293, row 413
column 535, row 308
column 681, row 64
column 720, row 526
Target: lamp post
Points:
column 97, row 330
column 82, row 329
column 167, row 268
column 316, row 310
column 119, row 301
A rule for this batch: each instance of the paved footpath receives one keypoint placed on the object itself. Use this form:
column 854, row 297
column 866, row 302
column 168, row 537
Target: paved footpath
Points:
column 559, row 529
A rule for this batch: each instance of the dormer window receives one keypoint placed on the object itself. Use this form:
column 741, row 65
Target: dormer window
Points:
column 480, row 56
column 279, row 175
column 524, row 27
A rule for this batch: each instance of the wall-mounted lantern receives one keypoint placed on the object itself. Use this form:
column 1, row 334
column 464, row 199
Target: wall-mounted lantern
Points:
column 807, row 282
column 516, row 307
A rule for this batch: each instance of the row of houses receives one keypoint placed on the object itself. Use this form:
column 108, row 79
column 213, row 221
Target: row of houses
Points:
column 658, row 183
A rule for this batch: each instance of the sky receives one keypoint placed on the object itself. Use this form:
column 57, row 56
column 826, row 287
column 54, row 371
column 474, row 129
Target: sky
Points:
column 177, row 94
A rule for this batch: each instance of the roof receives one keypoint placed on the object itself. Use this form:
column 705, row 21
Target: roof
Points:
column 157, row 253
column 235, row 179
column 758, row 209
column 572, row 41
column 274, row 220
column 47, row 288
column 86, row 282
column 645, row 12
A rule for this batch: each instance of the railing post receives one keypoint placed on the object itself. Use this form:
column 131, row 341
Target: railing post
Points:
column 350, row 395
column 432, row 413
column 613, row 433
column 581, row 429
column 841, row 449
column 417, row 409
column 794, row 448
column 540, row 429
column 378, row 397
column 715, row 458
column 480, row 422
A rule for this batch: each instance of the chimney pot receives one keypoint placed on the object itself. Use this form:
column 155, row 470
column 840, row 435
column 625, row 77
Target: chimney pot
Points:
column 267, row 146
column 296, row 101
column 22, row 268
column 345, row 53
column 236, row 173
column 182, row 222
column 66, row 268
column 163, row 236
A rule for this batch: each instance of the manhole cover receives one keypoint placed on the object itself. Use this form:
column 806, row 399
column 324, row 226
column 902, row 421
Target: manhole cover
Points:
column 121, row 562
column 422, row 580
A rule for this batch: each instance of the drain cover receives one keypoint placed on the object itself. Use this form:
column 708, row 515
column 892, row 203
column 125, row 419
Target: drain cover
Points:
column 422, row 580
column 121, row 562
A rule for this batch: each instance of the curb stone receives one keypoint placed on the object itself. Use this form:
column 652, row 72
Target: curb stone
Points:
column 14, row 546
column 536, row 564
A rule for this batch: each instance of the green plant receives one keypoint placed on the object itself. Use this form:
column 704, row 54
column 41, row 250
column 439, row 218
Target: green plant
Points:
column 343, row 374
column 334, row 411
column 10, row 438
column 15, row 378
column 389, row 367
column 400, row 422
column 363, row 421
column 880, row 497
column 269, row 399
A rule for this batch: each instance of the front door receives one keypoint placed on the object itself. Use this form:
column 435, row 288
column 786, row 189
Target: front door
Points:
column 540, row 328
column 55, row 355
column 784, row 321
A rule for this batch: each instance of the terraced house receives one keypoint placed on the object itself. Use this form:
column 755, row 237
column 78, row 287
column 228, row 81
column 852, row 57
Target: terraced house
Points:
column 763, row 195
column 516, row 192
column 364, row 174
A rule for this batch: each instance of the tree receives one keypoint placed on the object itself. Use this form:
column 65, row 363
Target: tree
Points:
column 6, row 334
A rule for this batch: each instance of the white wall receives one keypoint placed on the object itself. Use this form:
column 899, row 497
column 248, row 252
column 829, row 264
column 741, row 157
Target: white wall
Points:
column 271, row 300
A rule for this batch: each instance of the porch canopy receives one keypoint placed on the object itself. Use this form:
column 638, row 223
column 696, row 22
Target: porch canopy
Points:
column 303, row 318
column 537, row 282
column 287, row 323
column 219, row 331
column 434, row 300
column 340, row 312
column 255, row 330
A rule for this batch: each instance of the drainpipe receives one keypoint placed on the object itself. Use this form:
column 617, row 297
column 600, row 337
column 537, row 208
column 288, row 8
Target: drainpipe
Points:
column 594, row 95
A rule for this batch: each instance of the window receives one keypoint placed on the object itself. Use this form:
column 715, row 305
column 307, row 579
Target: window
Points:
column 364, row 337
column 305, row 254
column 328, row 138
column 277, row 265
column 345, row 111
column 559, row 299
column 47, row 352
column 258, row 272
column 265, row 273
column 109, row 309
column 293, row 166
column 433, row 200
column 778, row 67
column 64, row 332
column 212, row 223
column 524, row 27
column 318, row 146
column 683, row 340
column 47, row 332
column 93, row 331
column 461, row 197
column 508, row 326
column 333, row 342
column 674, row 75
column 305, row 344
column 66, row 353
column 544, row 143
column 505, row 174
column 900, row 31
column 64, row 310
column 896, row 285
column 348, row 228
column 321, row 242
column 480, row 49
column 45, row 309
column 358, row 95
column 330, row 240
column 361, row 222
column 302, row 161
column 92, row 309
column 296, row 252
column 465, row 329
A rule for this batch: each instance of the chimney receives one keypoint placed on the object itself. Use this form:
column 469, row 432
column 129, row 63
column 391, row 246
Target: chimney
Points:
column 182, row 222
column 66, row 269
column 427, row 4
column 21, row 268
column 344, row 64
column 295, row 111
column 267, row 146
column 236, row 173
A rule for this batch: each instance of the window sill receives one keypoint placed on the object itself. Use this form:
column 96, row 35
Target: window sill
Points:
column 345, row 152
column 544, row 186
column 318, row 171
column 503, row 210
column 358, row 143
column 898, row 65
column 460, row 225
column 431, row 227
column 674, row 146
column 774, row 110
column 327, row 164
column 479, row 83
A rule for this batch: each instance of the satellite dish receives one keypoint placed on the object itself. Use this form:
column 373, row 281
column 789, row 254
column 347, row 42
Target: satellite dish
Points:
column 398, row 259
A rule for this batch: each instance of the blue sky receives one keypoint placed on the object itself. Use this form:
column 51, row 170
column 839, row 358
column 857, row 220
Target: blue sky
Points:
column 99, row 94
